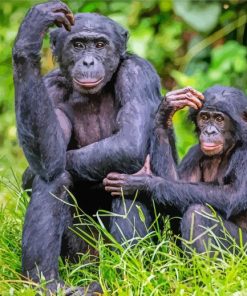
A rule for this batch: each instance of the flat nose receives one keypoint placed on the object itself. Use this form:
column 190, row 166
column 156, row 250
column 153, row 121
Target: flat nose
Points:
column 210, row 130
column 88, row 61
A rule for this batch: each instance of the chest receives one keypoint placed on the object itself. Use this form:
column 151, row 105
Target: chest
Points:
column 212, row 170
column 93, row 120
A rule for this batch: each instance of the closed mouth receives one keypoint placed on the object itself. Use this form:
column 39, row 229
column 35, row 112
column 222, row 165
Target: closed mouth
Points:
column 87, row 83
column 211, row 146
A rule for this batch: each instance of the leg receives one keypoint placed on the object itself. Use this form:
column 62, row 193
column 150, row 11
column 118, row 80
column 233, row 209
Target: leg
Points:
column 90, row 199
column 45, row 222
column 135, row 221
column 200, row 225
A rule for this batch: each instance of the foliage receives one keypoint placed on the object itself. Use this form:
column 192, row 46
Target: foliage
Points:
column 155, row 266
column 196, row 43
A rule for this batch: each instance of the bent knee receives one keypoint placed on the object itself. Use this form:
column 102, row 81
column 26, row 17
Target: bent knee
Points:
column 196, row 209
column 63, row 179
column 57, row 186
column 195, row 215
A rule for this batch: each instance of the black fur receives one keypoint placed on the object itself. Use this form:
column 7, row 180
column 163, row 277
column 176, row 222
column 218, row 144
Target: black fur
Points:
column 227, row 195
column 220, row 180
column 67, row 131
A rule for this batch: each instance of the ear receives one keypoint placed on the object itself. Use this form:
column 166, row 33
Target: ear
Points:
column 125, row 37
column 244, row 115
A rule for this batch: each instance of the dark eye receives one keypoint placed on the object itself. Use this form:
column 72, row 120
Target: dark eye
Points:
column 219, row 118
column 100, row 44
column 78, row 44
column 204, row 117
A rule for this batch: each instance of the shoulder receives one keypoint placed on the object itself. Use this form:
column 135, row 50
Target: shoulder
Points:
column 138, row 66
column 57, row 86
column 137, row 77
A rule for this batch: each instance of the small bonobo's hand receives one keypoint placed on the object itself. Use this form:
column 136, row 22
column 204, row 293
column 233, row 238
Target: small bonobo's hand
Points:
column 186, row 97
column 128, row 184
column 55, row 12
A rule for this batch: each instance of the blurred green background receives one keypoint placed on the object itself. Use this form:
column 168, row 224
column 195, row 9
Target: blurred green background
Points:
column 197, row 43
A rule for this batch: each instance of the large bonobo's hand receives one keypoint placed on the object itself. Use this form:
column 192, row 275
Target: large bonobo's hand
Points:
column 47, row 14
column 128, row 184
column 37, row 22
column 178, row 99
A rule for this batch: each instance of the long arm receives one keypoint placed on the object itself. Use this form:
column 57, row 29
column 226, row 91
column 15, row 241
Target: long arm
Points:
column 163, row 149
column 230, row 198
column 138, row 91
column 39, row 131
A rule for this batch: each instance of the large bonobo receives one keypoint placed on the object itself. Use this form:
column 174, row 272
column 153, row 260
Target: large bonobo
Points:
column 91, row 116
column 213, row 172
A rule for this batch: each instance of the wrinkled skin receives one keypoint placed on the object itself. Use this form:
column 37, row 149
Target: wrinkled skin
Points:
column 73, row 125
column 213, row 172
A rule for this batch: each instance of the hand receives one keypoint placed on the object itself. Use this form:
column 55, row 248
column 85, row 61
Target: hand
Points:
column 129, row 184
column 186, row 97
column 55, row 12
column 122, row 183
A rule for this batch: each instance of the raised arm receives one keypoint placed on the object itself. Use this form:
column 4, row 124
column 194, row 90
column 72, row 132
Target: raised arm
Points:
column 39, row 130
column 163, row 150
column 137, row 89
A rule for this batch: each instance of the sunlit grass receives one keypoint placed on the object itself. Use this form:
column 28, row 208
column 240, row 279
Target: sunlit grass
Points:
column 155, row 265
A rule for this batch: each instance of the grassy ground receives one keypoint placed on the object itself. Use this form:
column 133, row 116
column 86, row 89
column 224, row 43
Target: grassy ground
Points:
column 154, row 266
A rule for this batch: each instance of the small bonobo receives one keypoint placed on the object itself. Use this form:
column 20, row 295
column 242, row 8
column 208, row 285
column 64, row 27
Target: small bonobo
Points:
column 92, row 115
column 213, row 172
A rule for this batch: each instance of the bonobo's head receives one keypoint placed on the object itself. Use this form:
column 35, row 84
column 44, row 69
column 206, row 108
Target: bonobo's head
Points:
column 221, row 122
column 90, row 53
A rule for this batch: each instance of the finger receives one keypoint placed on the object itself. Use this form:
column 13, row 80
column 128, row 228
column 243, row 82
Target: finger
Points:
column 197, row 93
column 61, row 19
column 185, row 103
column 173, row 98
column 68, row 14
column 179, row 91
column 116, row 193
column 58, row 24
column 60, row 6
column 177, row 97
column 179, row 101
column 112, row 189
column 194, row 99
column 115, row 176
column 117, row 183
column 71, row 18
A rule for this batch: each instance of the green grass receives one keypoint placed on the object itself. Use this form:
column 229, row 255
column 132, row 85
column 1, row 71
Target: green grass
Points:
column 154, row 266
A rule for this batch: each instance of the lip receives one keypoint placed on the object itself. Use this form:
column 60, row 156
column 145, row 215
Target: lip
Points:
column 87, row 83
column 210, row 146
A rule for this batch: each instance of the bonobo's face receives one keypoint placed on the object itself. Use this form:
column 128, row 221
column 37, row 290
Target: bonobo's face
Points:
column 90, row 60
column 216, row 132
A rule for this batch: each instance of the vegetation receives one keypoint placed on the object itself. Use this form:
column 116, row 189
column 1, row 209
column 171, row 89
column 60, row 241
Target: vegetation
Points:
column 198, row 43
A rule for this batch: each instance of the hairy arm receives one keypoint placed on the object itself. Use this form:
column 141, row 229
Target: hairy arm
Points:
column 138, row 91
column 229, row 198
column 163, row 160
column 163, row 150
column 39, row 130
